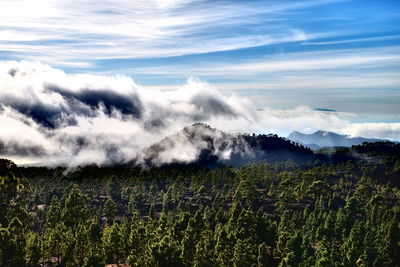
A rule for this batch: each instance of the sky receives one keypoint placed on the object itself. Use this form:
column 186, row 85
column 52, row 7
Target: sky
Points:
column 341, row 55
column 276, row 66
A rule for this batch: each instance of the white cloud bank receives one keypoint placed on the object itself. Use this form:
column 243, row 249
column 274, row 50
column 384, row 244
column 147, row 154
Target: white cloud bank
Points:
column 52, row 117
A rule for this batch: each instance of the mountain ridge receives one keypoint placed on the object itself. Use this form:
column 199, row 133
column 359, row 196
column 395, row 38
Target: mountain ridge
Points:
column 203, row 145
column 320, row 139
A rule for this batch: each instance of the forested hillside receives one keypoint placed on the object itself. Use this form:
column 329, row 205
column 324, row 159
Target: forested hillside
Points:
column 263, row 214
column 202, row 145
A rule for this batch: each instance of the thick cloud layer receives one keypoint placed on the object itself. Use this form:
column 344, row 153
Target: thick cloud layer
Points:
column 50, row 117
column 193, row 142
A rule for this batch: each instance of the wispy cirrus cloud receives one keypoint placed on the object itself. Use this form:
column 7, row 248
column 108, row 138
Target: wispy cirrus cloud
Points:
column 60, row 32
column 362, row 58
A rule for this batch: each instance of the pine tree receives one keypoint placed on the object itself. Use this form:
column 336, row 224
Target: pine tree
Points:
column 33, row 250
column 389, row 250
column 54, row 213
column 110, row 210
column 75, row 210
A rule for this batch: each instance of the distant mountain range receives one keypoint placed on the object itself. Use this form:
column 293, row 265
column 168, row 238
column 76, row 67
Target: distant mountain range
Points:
column 321, row 139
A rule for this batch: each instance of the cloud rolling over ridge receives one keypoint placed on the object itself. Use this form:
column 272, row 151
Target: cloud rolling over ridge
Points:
column 97, row 119
column 52, row 117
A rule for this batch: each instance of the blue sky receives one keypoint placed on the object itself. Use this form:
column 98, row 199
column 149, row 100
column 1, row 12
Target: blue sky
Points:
column 341, row 55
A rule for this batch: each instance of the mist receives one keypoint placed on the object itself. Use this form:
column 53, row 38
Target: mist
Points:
column 49, row 117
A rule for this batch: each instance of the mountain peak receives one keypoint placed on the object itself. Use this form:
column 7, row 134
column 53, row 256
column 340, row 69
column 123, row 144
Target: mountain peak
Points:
column 322, row 138
column 201, row 144
column 200, row 125
column 295, row 134
column 327, row 134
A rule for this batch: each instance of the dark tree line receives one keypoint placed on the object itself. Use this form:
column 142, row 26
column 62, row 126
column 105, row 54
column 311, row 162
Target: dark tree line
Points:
column 281, row 214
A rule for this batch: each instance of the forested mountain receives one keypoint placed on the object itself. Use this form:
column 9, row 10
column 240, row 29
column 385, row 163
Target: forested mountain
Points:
column 199, row 144
column 321, row 139
column 338, row 213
